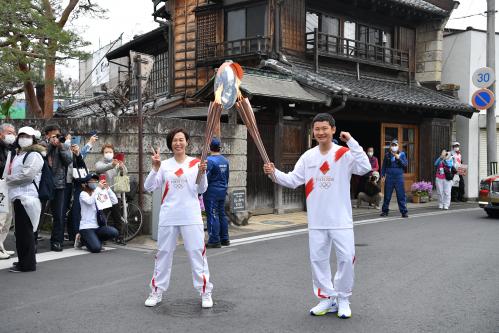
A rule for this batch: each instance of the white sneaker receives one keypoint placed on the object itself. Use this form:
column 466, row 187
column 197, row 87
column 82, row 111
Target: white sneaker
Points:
column 440, row 206
column 344, row 311
column 327, row 305
column 154, row 298
column 206, row 301
column 4, row 255
column 78, row 244
column 446, row 208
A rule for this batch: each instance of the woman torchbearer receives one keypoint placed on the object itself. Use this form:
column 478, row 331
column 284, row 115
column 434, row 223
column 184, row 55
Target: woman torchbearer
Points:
column 180, row 213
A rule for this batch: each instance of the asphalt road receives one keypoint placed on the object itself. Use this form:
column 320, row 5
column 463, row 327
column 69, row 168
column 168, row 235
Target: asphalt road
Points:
column 436, row 273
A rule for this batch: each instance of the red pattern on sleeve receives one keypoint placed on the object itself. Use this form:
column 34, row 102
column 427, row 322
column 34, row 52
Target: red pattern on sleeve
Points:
column 194, row 162
column 309, row 187
column 340, row 152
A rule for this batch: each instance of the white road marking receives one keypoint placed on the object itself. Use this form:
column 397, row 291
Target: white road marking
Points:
column 276, row 235
column 50, row 255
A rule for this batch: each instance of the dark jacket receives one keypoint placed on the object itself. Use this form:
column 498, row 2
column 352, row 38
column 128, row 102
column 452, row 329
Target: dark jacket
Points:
column 372, row 188
column 4, row 149
column 59, row 158
column 392, row 166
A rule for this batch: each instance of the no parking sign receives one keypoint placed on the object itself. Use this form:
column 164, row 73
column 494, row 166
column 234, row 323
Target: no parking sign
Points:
column 482, row 99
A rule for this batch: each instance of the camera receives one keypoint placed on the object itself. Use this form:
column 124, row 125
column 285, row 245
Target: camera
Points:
column 61, row 138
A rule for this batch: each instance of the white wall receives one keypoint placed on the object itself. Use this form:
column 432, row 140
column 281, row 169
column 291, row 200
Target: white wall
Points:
column 464, row 53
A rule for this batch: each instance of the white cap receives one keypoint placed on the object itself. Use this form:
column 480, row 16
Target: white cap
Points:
column 455, row 143
column 27, row 130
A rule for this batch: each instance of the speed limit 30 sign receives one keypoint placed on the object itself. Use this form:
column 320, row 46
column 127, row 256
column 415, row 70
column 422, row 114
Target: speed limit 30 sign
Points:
column 483, row 77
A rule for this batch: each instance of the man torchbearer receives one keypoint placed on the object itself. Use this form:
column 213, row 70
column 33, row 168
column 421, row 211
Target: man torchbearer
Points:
column 326, row 171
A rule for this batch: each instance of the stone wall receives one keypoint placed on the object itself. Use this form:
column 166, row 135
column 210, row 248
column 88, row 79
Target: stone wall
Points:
column 429, row 48
column 123, row 134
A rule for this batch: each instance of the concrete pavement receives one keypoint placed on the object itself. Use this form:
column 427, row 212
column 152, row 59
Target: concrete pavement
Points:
column 436, row 273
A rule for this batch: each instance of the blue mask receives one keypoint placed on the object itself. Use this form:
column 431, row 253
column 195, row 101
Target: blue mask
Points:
column 92, row 186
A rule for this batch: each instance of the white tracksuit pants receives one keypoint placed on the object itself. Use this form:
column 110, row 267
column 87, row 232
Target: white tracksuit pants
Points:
column 193, row 236
column 320, row 241
column 444, row 188
column 5, row 222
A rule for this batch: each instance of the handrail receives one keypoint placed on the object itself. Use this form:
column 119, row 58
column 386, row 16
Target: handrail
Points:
column 237, row 47
column 326, row 44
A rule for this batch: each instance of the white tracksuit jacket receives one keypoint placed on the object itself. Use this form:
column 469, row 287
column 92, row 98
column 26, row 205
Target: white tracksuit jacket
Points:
column 329, row 211
column 180, row 213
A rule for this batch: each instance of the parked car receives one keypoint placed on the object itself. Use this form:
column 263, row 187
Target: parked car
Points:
column 489, row 195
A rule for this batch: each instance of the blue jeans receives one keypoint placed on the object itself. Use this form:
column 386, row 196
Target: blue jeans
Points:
column 75, row 211
column 93, row 238
column 218, row 227
column 394, row 183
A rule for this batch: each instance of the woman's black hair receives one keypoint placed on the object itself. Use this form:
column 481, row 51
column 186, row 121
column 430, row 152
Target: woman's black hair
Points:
column 172, row 133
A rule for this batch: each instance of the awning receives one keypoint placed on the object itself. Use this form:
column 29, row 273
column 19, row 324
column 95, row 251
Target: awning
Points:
column 266, row 84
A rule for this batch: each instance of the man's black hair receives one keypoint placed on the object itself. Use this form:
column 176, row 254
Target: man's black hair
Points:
column 324, row 117
column 171, row 134
column 50, row 128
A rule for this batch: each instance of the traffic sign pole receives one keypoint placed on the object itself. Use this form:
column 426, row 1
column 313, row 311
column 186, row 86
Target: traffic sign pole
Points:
column 491, row 112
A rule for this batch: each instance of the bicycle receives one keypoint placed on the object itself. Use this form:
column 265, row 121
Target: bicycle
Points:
column 131, row 215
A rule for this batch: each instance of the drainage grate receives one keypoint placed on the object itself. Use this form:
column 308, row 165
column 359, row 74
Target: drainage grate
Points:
column 276, row 222
column 361, row 244
column 191, row 308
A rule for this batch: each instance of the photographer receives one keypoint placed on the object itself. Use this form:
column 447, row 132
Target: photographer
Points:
column 371, row 192
column 59, row 157
column 111, row 167
column 77, row 171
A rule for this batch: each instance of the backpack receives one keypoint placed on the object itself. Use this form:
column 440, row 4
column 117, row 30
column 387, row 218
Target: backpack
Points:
column 47, row 186
column 449, row 172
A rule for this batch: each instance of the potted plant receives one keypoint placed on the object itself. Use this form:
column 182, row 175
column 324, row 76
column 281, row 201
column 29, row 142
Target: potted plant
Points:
column 421, row 191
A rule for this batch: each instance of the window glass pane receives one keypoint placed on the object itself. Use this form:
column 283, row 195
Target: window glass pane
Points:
column 312, row 22
column 255, row 21
column 236, row 24
column 390, row 134
column 330, row 25
column 349, row 30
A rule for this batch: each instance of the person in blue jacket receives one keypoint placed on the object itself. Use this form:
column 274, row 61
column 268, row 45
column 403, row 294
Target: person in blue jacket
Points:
column 392, row 173
column 214, row 197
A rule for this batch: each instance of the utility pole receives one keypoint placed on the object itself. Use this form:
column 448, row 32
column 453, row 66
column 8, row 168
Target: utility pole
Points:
column 491, row 112
column 138, row 78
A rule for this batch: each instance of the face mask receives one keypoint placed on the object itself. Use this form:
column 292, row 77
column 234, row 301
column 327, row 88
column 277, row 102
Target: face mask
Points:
column 9, row 139
column 370, row 153
column 456, row 149
column 67, row 144
column 25, row 142
column 394, row 148
column 92, row 186
column 108, row 157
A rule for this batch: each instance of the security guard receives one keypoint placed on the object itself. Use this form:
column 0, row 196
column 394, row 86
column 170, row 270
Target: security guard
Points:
column 392, row 173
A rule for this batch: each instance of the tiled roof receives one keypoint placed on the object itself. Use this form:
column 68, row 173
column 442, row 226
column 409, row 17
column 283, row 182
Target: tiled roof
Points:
column 422, row 5
column 367, row 88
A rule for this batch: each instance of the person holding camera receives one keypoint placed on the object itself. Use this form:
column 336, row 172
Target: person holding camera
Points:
column 392, row 173
column 59, row 157
column 110, row 167
column 371, row 193
column 93, row 232
column 443, row 178
column 77, row 171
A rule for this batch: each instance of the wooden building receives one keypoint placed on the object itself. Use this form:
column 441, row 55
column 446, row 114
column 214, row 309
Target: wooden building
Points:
column 374, row 64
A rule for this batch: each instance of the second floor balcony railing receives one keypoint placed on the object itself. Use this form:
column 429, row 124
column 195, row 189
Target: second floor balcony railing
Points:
column 322, row 44
column 245, row 47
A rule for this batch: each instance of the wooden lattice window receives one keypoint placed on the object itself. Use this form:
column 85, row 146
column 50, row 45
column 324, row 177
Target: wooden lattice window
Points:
column 206, row 37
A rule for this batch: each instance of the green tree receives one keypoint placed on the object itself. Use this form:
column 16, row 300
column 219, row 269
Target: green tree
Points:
column 33, row 38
